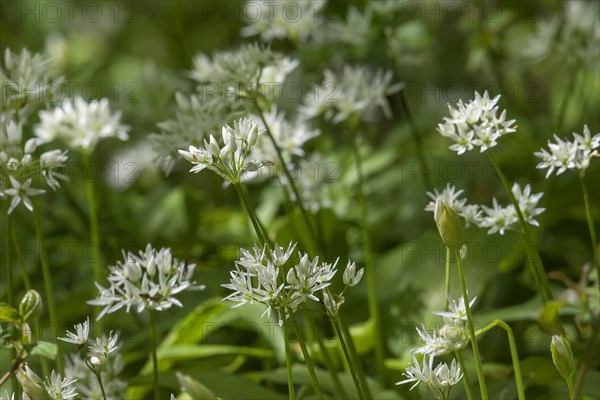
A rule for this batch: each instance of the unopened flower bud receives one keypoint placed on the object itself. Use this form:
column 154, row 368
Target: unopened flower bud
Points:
column 449, row 225
column 31, row 305
column 31, row 383
column 562, row 356
column 30, row 146
column 26, row 160
column 253, row 135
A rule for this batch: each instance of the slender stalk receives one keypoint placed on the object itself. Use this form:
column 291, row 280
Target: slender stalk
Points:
column 354, row 360
column 586, row 362
column 357, row 385
column 47, row 279
column 308, row 360
column 93, row 224
column 465, row 380
column 480, row 376
column 99, row 377
column 9, row 266
column 250, row 210
column 447, row 284
column 530, row 246
column 287, row 174
column 565, row 100
column 332, row 372
column 369, row 265
column 288, row 359
column 590, row 221
column 514, row 354
column 417, row 138
column 154, row 357
column 571, row 390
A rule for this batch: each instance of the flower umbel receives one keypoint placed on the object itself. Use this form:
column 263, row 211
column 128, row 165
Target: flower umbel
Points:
column 150, row 279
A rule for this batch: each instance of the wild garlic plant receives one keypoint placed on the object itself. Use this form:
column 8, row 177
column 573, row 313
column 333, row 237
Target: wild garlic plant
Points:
column 147, row 280
column 99, row 356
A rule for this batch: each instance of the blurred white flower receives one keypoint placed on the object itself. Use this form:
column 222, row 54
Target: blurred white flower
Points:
column 87, row 383
column 296, row 20
column 358, row 91
column 150, row 279
column 81, row 124
column 458, row 312
column 60, row 388
column 475, row 124
column 352, row 277
column 50, row 161
column 102, row 348
column 497, row 218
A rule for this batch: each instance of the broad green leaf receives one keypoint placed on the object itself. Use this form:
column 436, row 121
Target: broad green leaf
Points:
column 9, row 314
column 185, row 352
column 193, row 388
column 44, row 349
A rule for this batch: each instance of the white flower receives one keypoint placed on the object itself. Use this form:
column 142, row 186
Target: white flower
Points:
column 563, row 154
column 475, row 124
column 451, row 337
column 150, row 279
column 351, row 277
column 358, row 91
column 230, row 159
column 50, row 161
column 270, row 20
column 101, row 349
column 59, row 388
column 439, row 380
column 80, row 337
column 458, row 312
column 87, row 383
column 81, row 124
column 498, row 218
column 450, row 196
column 20, row 193
column 527, row 203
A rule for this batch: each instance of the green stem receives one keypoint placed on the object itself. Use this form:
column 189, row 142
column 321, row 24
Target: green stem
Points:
column 253, row 218
column 354, row 360
column 590, row 221
column 466, row 383
column 447, row 284
column 534, row 258
column 369, row 266
column 288, row 360
column 93, row 224
column 348, row 359
column 47, row 279
column 9, row 266
column 99, row 377
column 586, row 361
column 154, row 357
column 480, row 376
column 571, row 390
column 288, row 175
column 565, row 100
column 307, row 360
column 514, row 354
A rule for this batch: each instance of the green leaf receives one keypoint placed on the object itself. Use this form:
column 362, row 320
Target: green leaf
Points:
column 187, row 352
column 549, row 319
column 9, row 314
column 44, row 349
column 193, row 388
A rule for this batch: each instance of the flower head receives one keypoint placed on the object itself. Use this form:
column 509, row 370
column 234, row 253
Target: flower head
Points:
column 81, row 124
column 439, row 379
column 20, row 192
column 80, row 337
column 150, row 279
column 60, row 388
column 475, row 124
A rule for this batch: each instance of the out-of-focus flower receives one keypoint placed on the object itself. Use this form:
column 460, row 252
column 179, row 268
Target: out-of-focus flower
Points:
column 20, row 192
column 438, row 380
column 81, row 124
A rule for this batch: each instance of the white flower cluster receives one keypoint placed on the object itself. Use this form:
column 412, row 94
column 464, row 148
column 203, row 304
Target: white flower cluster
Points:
column 264, row 276
column 475, row 124
column 497, row 219
column 563, row 154
column 53, row 387
column 574, row 36
column 100, row 356
column 452, row 336
column 87, row 383
column 296, row 20
column 26, row 79
column 150, row 279
column 81, row 124
column 439, row 380
column 250, row 68
column 229, row 160
column 358, row 92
